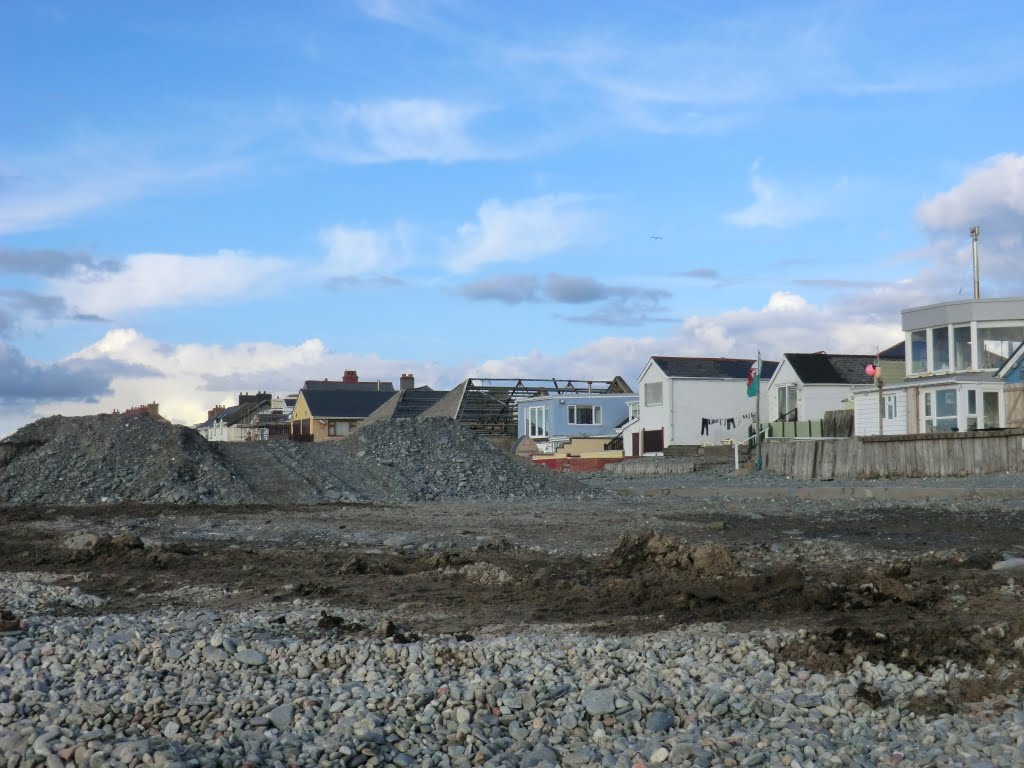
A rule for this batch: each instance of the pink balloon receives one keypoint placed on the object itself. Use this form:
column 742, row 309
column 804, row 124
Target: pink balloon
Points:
column 870, row 370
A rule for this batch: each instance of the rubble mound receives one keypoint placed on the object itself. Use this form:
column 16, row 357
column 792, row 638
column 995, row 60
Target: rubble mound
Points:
column 437, row 458
column 111, row 458
column 118, row 458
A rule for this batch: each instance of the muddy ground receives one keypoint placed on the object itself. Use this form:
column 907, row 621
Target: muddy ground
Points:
column 911, row 583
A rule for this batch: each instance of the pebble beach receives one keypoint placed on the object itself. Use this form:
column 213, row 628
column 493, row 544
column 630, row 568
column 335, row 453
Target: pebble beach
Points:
column 264, row 687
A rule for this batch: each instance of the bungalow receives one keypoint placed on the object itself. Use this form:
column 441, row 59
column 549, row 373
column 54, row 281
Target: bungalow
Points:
column 587, row 420
column 692, row 401
column 328, row 414
column 962, row 374
column 807, row 385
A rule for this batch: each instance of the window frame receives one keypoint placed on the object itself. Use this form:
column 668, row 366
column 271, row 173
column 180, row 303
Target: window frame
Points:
column 595, row 415
column 537, row 427
column 651, row 387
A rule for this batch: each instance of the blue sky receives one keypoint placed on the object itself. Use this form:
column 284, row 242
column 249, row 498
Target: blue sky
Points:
column 197, row 200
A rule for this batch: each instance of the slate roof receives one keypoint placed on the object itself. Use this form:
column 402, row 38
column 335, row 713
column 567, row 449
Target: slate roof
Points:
column 822, row 368
column 358, row 386
column 712, row 367
column 344, row 403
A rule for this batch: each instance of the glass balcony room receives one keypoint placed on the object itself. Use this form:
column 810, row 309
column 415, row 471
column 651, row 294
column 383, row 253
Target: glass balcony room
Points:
column 962, row 336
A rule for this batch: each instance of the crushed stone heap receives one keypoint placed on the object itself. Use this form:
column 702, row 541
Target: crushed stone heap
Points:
column 113, row 457
column 437, row 458
column 118, row 458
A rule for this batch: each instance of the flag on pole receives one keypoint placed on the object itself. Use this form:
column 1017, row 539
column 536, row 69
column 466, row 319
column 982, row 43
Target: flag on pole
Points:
column 754, row 378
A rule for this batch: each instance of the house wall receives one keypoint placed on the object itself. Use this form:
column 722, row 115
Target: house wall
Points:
column 865, row 418
column 614, row 410
column 651, row 417
column 221, row 433
column 722, row 402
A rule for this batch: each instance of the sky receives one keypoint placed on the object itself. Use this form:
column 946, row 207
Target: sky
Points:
column 198, row 200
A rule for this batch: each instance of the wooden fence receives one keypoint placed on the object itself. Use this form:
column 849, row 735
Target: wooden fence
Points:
column 946, row 454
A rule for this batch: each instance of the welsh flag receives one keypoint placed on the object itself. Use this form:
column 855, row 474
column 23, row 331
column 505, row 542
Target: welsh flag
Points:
column 754, row 379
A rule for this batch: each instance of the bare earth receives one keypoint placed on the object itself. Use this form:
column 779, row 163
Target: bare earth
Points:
column 892, row 578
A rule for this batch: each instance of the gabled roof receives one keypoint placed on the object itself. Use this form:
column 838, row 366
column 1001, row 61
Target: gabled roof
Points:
column 356, row 386
column 822, row 368
column 712, row 367
column 344, row 403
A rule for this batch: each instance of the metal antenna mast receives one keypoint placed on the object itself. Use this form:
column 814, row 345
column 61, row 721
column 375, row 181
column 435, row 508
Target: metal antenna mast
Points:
column 975, row 231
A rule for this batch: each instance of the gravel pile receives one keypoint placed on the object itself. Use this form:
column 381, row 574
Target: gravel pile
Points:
column 116, row 458
column 436, row 458
column 96, row 459
column 207, row 689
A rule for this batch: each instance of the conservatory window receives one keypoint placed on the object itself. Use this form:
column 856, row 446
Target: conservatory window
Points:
column 995, row 345
column 918, row 351
column 940, row 349
column 962, row 348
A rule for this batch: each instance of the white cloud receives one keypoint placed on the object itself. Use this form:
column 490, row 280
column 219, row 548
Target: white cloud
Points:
column 150, row 280
column 353, row 252
column 776, row 207
column 401, row 129
column 192, row 378
column 991, row 196
column 40, row 192
column 520, row 231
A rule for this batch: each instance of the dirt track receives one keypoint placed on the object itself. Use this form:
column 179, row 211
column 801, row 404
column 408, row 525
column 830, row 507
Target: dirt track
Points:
column 912, row 582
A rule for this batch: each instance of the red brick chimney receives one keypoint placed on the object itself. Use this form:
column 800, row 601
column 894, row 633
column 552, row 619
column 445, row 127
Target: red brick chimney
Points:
column 350, row 377
column 217, row 410
column 406, row 381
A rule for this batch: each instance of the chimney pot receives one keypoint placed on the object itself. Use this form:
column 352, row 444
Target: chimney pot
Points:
column 350, row 377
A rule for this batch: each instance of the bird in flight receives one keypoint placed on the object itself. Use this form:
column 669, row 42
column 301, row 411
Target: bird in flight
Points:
column 657, row 237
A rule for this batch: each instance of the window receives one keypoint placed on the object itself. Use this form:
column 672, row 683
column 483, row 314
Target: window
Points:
column 940, row 349
column 944, row 418
column 584, row 414
column 634, row 410
column 890, row 407
column 537, row 421
column 918, row 351
column 652, row 394
column 995, row 345
column 337, row 428
column 787, row 403
column 972, row 409
column 962, row 348
column 990, row 410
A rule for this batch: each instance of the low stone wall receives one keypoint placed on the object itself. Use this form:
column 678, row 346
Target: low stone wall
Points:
column 947, row 454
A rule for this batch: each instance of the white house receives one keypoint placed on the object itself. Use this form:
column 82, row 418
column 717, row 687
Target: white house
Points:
column 692, row 401
column 962, row 371
column 806, row 385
